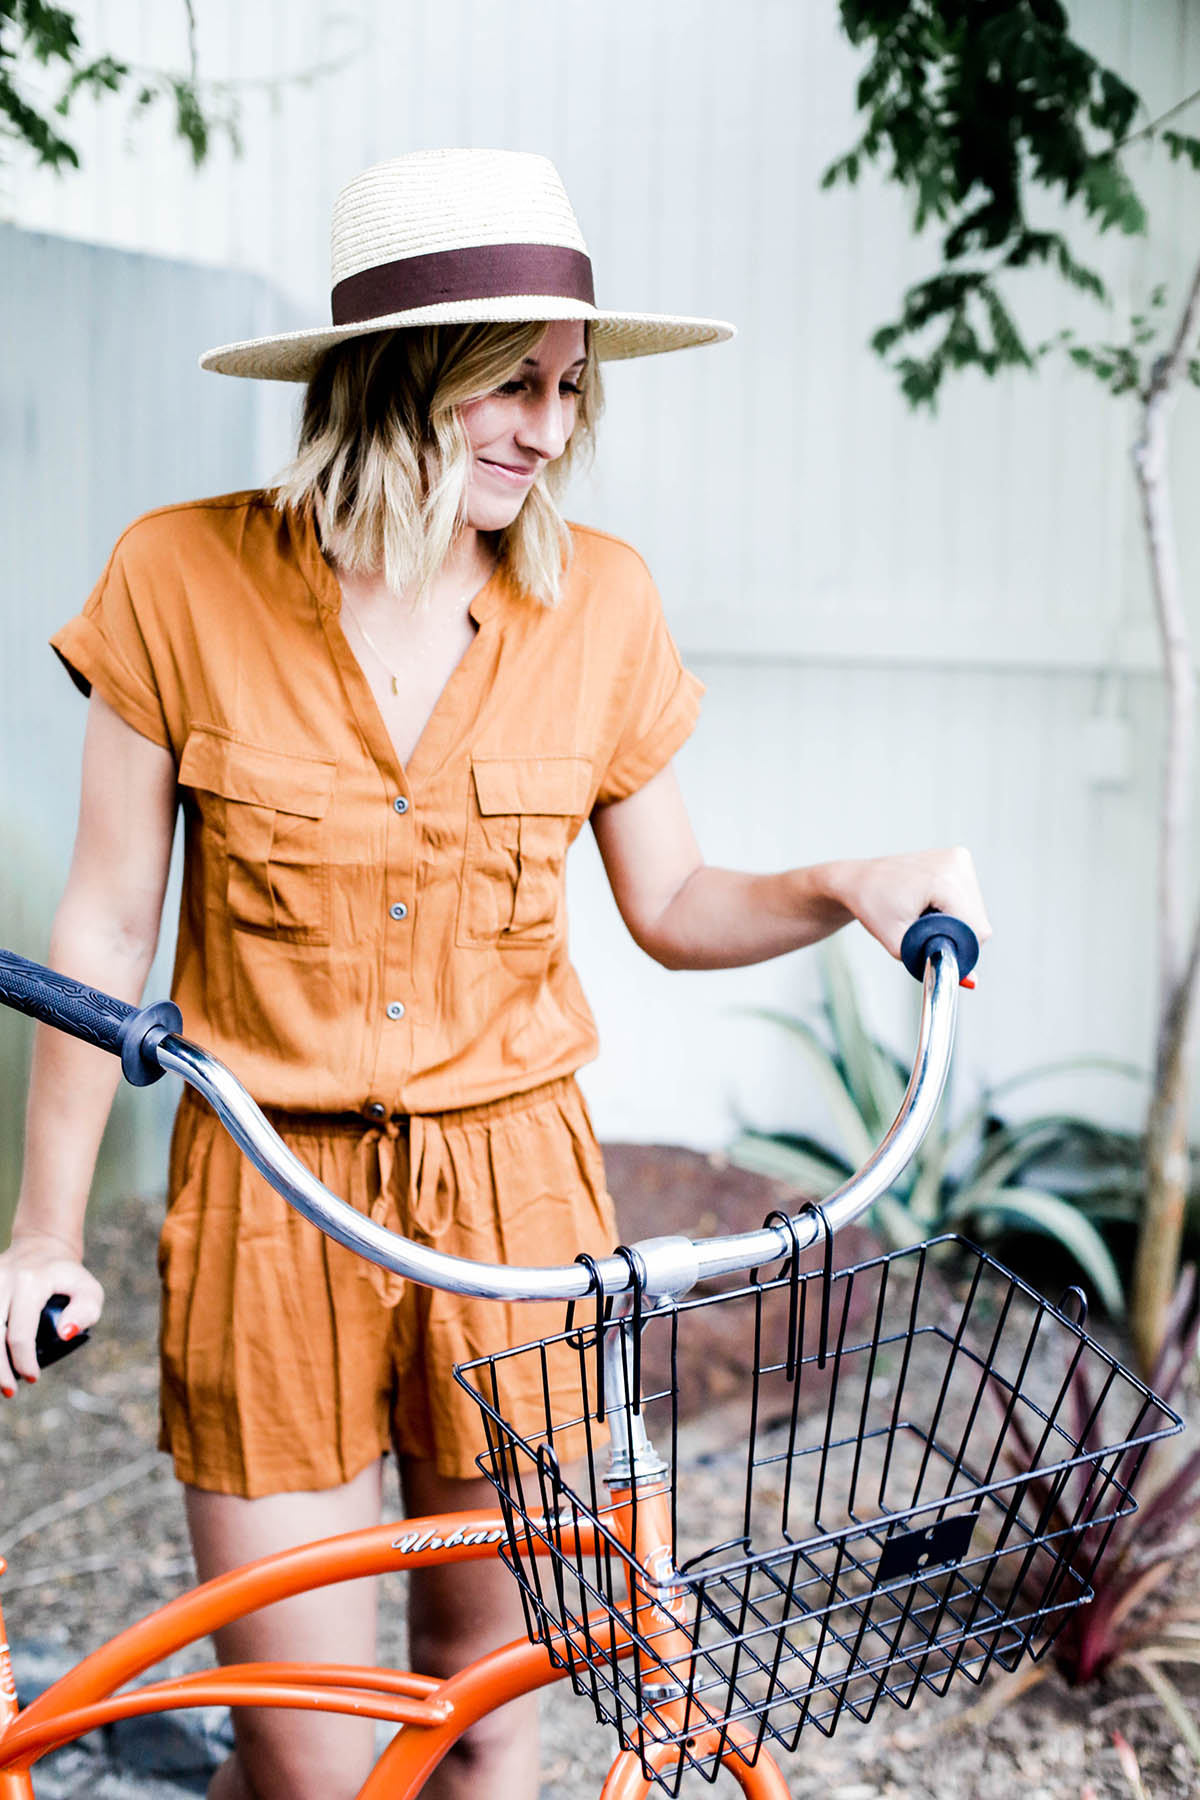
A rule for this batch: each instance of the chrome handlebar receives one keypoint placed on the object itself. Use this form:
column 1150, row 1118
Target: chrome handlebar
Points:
column 936, row 948
column 668, row 1267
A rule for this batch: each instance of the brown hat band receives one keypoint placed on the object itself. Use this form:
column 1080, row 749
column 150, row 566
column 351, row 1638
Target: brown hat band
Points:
column 478, row 272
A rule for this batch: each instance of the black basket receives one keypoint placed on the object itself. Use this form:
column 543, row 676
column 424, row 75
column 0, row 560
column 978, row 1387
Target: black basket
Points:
column 922, row 1484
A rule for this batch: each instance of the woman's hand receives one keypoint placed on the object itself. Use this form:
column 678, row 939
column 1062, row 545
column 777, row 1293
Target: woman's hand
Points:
column 36, row 1266
column 886, row 893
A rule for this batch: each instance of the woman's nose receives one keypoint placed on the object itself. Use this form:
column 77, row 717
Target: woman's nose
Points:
column 543, row 426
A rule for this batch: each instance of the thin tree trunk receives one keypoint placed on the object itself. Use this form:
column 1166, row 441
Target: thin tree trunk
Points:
column 1160, row 1233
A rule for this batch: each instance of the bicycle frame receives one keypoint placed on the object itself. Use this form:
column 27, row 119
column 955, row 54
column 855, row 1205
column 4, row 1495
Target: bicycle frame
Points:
column 434, row 1714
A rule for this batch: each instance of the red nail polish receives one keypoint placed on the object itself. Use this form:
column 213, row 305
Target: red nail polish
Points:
column 8, row 1392
column 31, row 1379
column 70, row 1332
column 968, row 981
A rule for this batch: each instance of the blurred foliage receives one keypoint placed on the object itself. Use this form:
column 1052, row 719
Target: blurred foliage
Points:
column 31, row 32
column 1126, row 368
column 35, row 35
column 1055, row 1176
column 979, row 108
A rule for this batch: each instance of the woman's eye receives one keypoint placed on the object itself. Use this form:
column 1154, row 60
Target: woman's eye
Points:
column 510, row 387
column 569, row 387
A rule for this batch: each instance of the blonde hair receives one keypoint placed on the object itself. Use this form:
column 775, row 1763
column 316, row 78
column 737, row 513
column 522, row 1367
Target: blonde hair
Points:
column 383, row 459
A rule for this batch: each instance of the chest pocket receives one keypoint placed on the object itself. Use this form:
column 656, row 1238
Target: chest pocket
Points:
column 524, row 811
column 267, row 809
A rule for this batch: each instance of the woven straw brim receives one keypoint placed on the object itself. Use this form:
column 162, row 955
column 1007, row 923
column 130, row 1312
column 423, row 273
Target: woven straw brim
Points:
column 294, row 355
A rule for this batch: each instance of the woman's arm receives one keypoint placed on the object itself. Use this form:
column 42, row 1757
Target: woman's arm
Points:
column 104, row 933
column 687, row 915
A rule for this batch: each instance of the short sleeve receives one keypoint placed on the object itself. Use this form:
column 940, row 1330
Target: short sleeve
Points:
column 661, row 701
column 105, row 648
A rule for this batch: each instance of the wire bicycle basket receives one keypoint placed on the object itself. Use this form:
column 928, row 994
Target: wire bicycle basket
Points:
column 925, row 1486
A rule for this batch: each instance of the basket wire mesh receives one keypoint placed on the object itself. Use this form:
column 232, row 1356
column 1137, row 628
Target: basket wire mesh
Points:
column 924, row 1481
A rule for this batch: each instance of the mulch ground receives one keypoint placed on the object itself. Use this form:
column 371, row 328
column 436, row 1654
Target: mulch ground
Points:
column 92, row 1528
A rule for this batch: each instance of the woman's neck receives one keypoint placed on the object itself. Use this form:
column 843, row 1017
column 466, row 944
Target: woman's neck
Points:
column 464, row 570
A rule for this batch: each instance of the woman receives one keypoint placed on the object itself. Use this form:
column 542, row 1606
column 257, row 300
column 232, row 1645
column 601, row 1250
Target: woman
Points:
column 388, row 693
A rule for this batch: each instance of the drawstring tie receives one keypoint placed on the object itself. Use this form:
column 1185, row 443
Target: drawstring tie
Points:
column 373, row 1189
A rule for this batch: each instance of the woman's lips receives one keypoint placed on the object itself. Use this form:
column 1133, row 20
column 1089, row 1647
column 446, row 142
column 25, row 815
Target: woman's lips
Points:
column 508, row 472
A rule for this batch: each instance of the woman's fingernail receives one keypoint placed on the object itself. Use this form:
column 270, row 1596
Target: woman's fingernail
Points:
column 968, row 981
column 8, row 1392
column 68, row 1333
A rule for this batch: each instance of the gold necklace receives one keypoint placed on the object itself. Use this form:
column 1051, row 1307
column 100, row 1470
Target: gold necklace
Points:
column 394, row 674
column 373, row 647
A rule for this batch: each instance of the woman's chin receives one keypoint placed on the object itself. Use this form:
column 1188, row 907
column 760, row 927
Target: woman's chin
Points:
column 493, row 514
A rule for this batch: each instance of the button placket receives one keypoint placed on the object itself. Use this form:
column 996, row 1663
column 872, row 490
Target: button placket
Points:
column 393, row 1054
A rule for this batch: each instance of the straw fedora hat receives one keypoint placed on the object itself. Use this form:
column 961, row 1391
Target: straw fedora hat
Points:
column 452, row 237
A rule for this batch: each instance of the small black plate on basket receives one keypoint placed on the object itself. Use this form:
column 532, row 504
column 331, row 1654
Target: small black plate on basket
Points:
column 911, row 1551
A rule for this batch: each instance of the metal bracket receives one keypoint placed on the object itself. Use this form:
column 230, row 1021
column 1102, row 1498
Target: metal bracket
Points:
column 911, row 1552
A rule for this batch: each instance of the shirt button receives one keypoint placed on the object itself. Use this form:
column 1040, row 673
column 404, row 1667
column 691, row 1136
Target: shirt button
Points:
column 376, row 1110
column 399, row 910
column 396, row 1010
column 400, row 803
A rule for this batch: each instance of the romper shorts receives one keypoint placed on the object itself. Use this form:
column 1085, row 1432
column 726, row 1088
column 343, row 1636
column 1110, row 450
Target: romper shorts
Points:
column 290, row 1364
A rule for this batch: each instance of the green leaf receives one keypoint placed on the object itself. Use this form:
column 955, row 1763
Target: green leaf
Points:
column 920, row 381
column 1028, row 1209
column 856, row 1053
column 1010, row 347
column 844, row 169
column 897, row 1223
column 1006, row 1151
column 854, row 1136
column 807, row 1170
column 1181, row 147
column 1109, row 197
column 974, row 1120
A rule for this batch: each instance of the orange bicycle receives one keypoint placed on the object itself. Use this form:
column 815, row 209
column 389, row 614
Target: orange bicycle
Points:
column 928, row 1483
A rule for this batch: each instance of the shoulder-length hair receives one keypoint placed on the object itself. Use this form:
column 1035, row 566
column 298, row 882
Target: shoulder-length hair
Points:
column 383, row 459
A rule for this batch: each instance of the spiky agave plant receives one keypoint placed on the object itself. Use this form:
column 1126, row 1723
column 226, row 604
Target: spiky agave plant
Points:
column 976, row 1175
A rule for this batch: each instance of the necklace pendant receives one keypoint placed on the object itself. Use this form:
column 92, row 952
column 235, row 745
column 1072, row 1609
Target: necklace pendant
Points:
column 395, row 685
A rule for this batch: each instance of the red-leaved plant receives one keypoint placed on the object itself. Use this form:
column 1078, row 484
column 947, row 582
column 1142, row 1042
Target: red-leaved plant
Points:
column 1130, row 1621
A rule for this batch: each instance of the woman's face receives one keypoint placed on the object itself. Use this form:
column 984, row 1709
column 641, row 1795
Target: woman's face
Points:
column 515, row 431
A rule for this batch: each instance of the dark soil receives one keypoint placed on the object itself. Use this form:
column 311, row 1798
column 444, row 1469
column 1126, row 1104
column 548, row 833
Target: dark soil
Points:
column 92, row 1528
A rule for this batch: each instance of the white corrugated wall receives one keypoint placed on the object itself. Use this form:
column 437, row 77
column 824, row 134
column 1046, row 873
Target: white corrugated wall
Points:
column 912, row 630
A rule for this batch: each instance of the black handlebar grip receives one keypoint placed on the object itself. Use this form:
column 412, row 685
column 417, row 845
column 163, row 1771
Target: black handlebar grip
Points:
column 919, row 938
column 49, row 1347
column 57, row 1000
column 85, row 1013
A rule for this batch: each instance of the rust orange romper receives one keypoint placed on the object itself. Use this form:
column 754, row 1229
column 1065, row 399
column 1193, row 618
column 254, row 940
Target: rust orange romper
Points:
column 380, row 954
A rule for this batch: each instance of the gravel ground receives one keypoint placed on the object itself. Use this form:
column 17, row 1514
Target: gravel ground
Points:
column 92, row 1527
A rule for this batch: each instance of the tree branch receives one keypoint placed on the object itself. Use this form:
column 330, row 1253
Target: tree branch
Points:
column 1149, row 457
column 1170, row 366
column 1148, row 131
